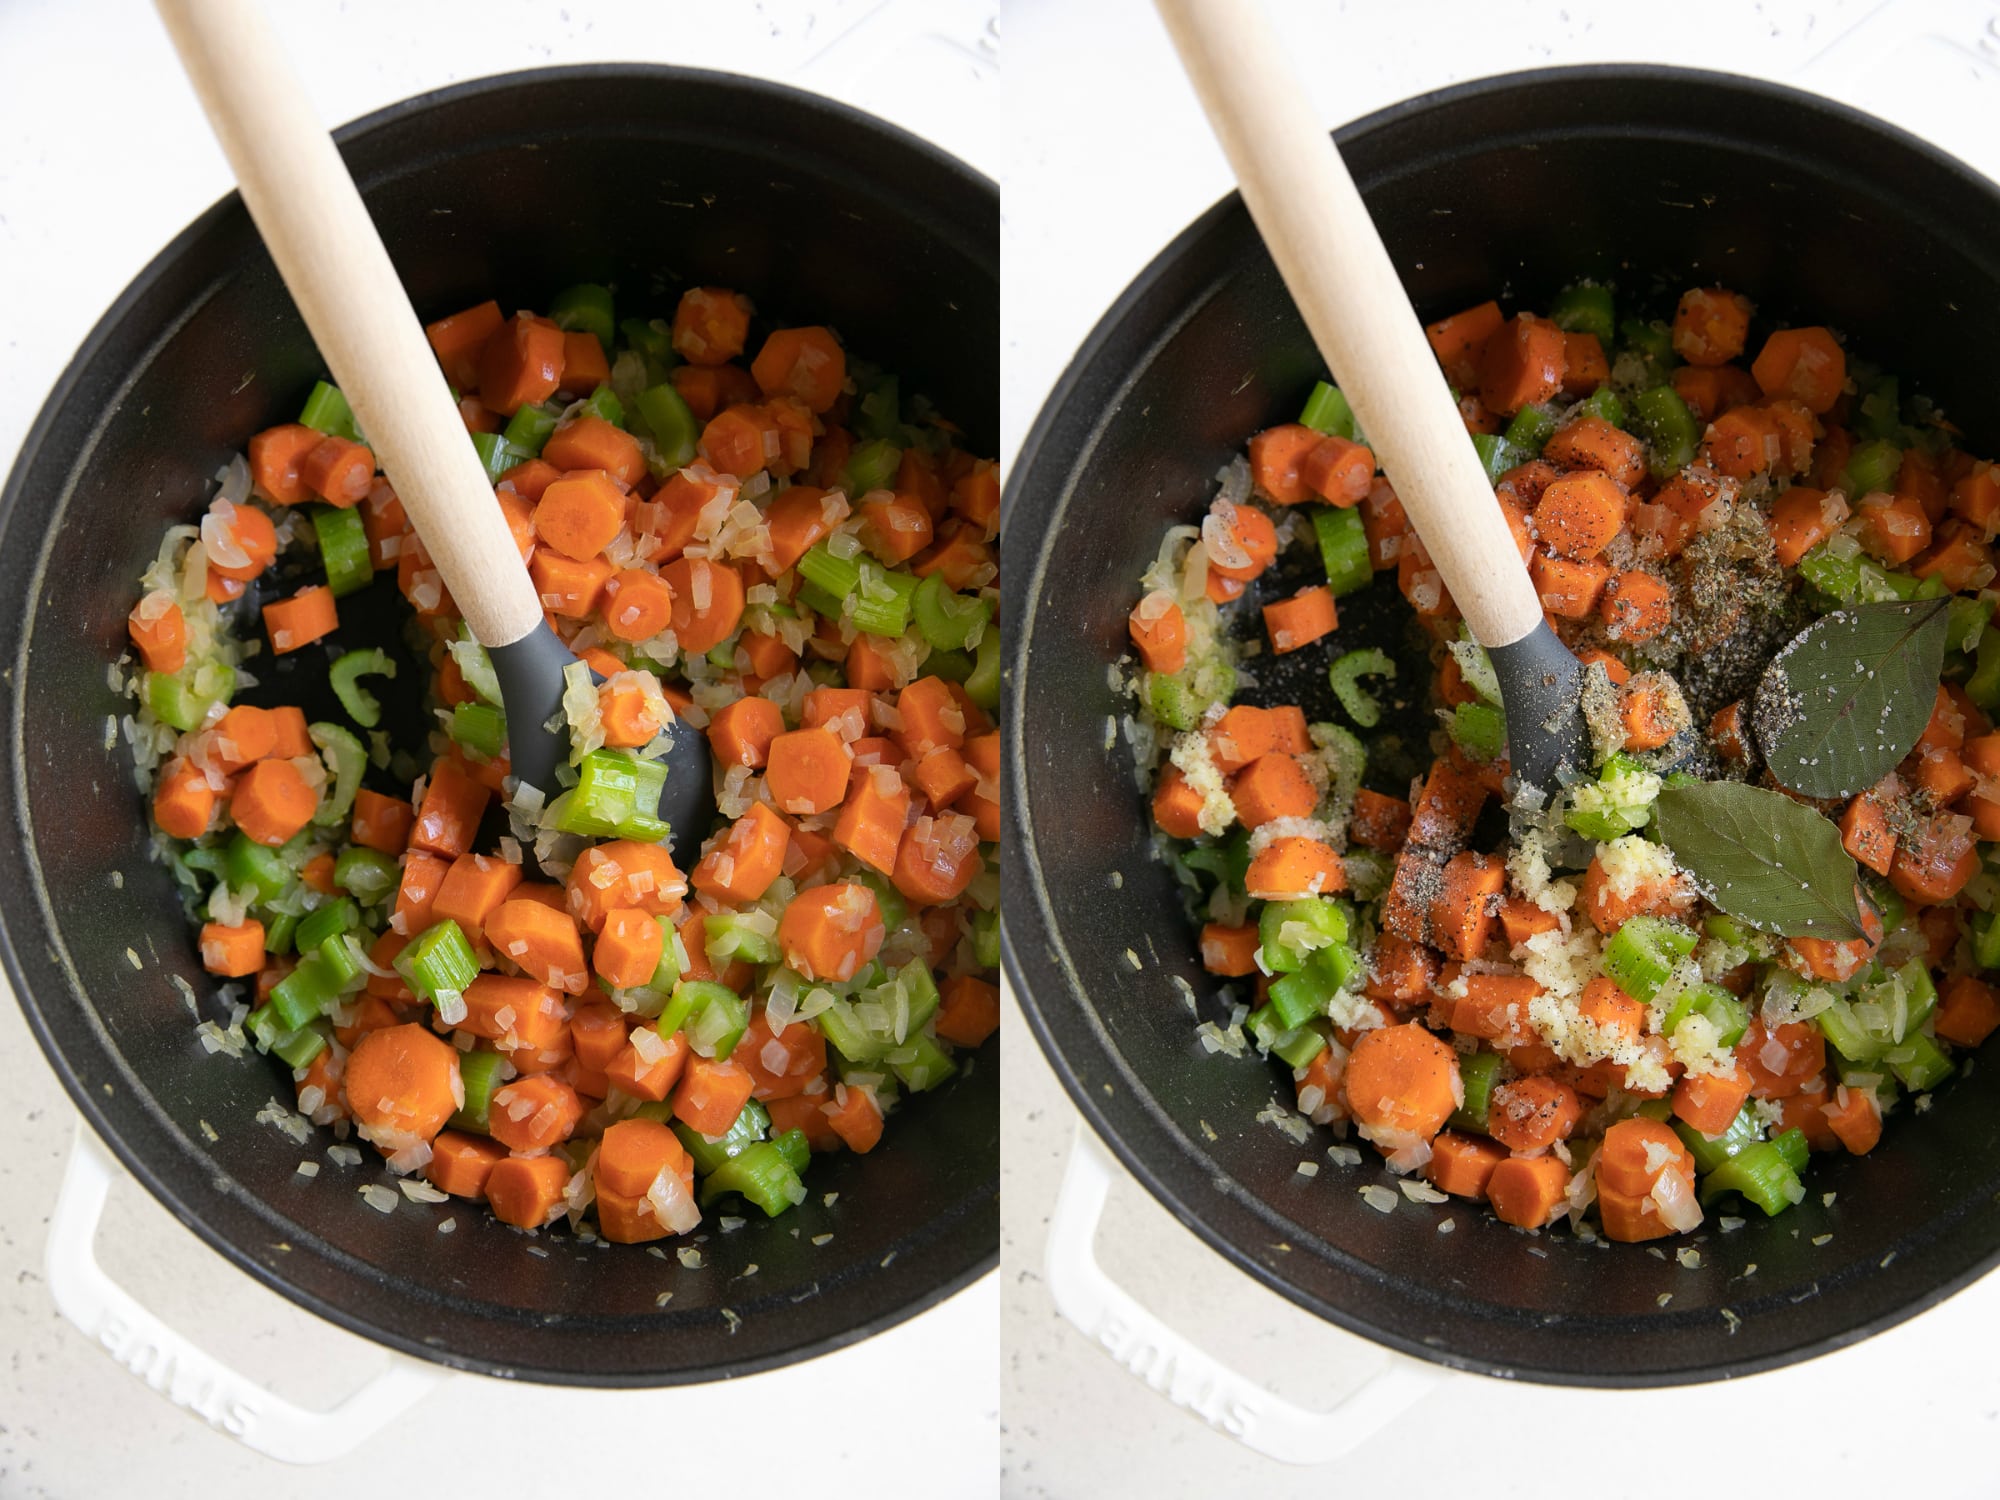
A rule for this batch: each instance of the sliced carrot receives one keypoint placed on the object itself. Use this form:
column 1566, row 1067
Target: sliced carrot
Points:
column 829, row 932
column 1585, row 366
column 579, row 514
column 780, row 1065
column 1463, row 912
column 1378, row 821
column 588, row 442
column 534, row 1113
column 382, row 822
column 856, row 1118
column 1300, row 620
column 277, row 455
column 584, row 366
column 1338, row 471
column 1241, row 735
column 1893, row 527
column 1645, row 714
column 183, row 801
column 1635, row 606
column 472, row 889
column 708, row 602
column 807, row 363
column 1589, row 443
column 1710, row 325
column 650, row 1074
column 567, row 587
column 969, row 1011
column 1569, row 589
column 871, row 820
column 740, row 733
column 461, row 1163
column 300, row 620
column 1533, row 1113
column 712, row 1094
column 636, row 605
column 938, row 859
column 416, row 894
column 402, row 1082
column 1934, row 860
column 1522, row 363
column 1231, row 951
column 1855, row 1116
column 1711, row 390
column 1779, row 1060
column 521, row 363
column 802, row 516
column 710, row 324
column 1975, row 496
column 159, row 630
column 1176, row 805
column 808, row 770
column 1494, row 1005
column 625, row 713
column 232, row 951
column 1277, row 461
column 931, row 716
column 622, row 872
column 741, row 864
column 1460, row 340
column 251, row 532
column 542, row 942
column 448, row 818
column 458, row 339
column 1521, row 920
column 1402, row 1079
column 1158, row 630
column 243, row 735
column 1580, row 514
column 1271, row 787
column 1711, row 1101
column 1806, row 364
column 1968, row 1011
column 271, row 802
column 527, row 1191
column 339, row 471
column 1462, row 1165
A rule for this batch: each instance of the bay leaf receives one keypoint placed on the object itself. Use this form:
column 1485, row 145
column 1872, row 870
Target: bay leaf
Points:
column 1763, row 858
column 1850, row 694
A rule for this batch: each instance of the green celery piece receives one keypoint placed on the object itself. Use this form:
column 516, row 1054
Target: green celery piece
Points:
column 1479, row 729
column 246, row 863
column 1326, row 410
column 670, row 422
column 1584, row 309
column 480, row 1071
column 761, row 1175
column 343, row 549
column 530, row 428
column 345, row 677
column 947, row 620
column 871, row 466
column 1478, row 1071
column 1870, row 467
column 438, row 961
column 328, row 921
column 986, row 939
column 838, row 576
column 1604, row 404
column 480, row 728
column 1497, row 455
column 304, row 994
column 349, row 761
column 585, row 308
column 710, row 1152
column 728, row 935
column 1531, row 428
column 497, row 455
column 1669, row 428
column 983, row 686
column 1761, row 1174
column 1643, row 952
column 326, row 410
column 920, row 1063
column 604, row 404
column 1343, row 548
column 1344, row 677
column 1711, row 1151
column 369, row 874
column 184, row 698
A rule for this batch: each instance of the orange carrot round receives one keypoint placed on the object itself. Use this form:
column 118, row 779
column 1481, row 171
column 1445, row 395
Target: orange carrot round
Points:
column 403, row 1084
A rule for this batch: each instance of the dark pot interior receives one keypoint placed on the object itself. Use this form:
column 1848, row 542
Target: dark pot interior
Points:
column 646, row 178
column 1656, row 180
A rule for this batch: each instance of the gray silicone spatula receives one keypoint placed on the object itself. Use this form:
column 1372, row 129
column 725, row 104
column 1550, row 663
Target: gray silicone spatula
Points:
column 1333, row 261
column 318, row 232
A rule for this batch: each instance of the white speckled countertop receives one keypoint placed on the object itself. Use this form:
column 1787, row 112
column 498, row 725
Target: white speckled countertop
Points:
column 106, row 159
column 1080, row 222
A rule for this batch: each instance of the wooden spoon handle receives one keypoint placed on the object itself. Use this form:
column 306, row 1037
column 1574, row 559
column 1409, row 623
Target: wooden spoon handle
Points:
column 319, row 233
column 1317, row 228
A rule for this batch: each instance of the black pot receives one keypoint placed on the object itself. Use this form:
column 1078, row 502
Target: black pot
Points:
column 1656, row 179
column 649, row 178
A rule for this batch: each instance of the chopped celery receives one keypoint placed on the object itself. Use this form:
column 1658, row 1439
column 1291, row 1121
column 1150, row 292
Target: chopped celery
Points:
column 670, row 422
column 761, row 1174
column 326, row 410
column 1326, row 410
column 1669, row 428
column 727, row 935
column 945, row 619
column 1290, row 932
column 497, row 455
column 1343, row 548
column 1643, row 952
column 1727, row 1015
column 919, row 1063
column 345, row 677
column 982, row 686
column 333, row 918
column 871, row 466
column 480, row 1071
column 1345, row 675
column 438, row 961
column 1604, row 404
column 348, row 760
column 1479, row 729
column 1531, row 428
column 1497, row 455
column 184, row 698
column 343, row 549
column 710, row 1152
column 604, row 403
column 530, row 428
column 1711, row 1151
column 585, row 308
column 1584, row 309
column 1761, row 1173
column 480, row 728
column 371, row 875
column 1870, row 467
column 1478, row 1071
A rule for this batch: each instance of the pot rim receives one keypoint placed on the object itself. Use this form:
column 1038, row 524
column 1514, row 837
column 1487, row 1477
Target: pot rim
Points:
column 86, row 1100
column 1115, row 1114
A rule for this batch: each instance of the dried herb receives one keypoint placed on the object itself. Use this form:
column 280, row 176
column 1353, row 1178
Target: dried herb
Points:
column 1849, row 696
column 1763, row 858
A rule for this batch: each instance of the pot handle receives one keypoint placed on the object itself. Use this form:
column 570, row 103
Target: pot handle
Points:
column 1172, row 1366
column 180, row 1370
